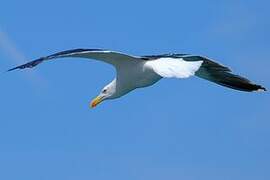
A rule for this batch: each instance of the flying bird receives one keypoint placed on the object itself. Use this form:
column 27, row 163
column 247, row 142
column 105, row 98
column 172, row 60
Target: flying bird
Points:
column 142, row 71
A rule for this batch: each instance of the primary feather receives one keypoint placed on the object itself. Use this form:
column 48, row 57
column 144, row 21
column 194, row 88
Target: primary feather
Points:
column 222, row 75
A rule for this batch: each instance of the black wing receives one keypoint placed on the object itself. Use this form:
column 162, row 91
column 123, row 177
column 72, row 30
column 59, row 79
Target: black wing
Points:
column 215, row 72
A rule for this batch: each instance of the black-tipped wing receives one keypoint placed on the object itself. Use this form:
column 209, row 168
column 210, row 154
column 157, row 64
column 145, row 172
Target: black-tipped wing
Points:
column 215, row 72
column 222, row 75
column 111, row 57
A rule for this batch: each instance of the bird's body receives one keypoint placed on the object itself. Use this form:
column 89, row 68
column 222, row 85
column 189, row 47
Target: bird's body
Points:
column 134, row 75
column 142, row 71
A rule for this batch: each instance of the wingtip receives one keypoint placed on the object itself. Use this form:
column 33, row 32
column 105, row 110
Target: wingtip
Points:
column 261, row 89
column 12, row 69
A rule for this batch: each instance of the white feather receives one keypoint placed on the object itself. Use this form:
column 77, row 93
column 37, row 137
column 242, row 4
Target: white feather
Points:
column 174, row 67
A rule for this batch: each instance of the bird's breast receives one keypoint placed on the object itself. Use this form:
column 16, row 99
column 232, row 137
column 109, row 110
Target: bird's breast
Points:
column 136, row 76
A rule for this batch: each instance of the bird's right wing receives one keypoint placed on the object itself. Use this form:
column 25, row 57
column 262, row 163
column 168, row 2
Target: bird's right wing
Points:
column 111, row 57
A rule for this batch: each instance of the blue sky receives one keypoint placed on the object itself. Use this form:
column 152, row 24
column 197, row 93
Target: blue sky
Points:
column 177, row 129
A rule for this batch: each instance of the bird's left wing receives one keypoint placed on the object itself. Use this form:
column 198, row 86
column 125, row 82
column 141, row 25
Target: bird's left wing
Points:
column 172, row 67
column 184, row 65
column 111, row 57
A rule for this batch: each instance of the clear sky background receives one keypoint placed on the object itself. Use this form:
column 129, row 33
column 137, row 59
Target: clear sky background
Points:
column 177, row 129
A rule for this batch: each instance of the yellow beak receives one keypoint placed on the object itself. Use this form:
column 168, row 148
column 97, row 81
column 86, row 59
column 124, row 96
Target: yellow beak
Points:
column 96, row 101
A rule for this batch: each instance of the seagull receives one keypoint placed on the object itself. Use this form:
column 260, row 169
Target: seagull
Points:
column 142, row 71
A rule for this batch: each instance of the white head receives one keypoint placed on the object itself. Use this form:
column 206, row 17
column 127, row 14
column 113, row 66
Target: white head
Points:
column 108, row 92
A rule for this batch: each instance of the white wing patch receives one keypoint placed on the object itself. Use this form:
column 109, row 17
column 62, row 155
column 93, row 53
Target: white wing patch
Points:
column 174, row 67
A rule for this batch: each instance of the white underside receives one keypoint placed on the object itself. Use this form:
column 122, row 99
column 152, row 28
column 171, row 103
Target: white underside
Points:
column 136, row 74
column 174, row 68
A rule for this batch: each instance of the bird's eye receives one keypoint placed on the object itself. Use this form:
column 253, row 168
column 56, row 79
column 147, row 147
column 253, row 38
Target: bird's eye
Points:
column 104, row 90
